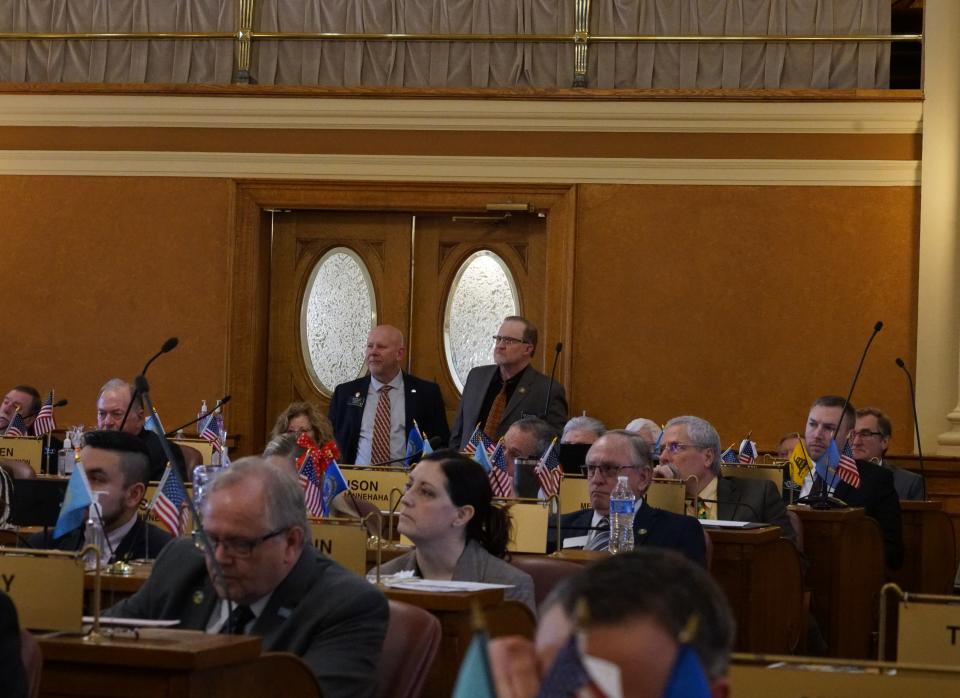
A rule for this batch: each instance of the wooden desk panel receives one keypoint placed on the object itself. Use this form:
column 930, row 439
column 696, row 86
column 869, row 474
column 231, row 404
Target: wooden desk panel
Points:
column 157, row 663
column 845, row 550
column 929, row 549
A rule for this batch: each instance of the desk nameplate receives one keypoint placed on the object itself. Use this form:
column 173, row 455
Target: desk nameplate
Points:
column 24, row 449
column 342, row 540
column 374, row 484
column 46, row 586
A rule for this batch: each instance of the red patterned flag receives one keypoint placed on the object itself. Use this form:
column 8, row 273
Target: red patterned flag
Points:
column 748, row 452
column 167, row 503
column 44, row 423
column 17, row 426
column 311, row 471
column 548, row 470
column 500, row 480
column 213, row 430
column 847, row 468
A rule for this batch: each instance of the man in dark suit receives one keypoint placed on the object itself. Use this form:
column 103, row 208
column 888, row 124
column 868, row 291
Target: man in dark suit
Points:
column 498, row 395
column 691, row 452
column 112, row 403
column 117, row 466
column 620, row 452
column 833, row 417
column 13, row 678
column 367, row 435
column 266, row 579
column 869, row 440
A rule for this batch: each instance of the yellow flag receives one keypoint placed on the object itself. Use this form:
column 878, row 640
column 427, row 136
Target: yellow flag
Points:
column 800, row 463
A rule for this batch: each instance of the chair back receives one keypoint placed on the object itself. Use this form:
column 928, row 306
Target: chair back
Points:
column 191, row 457
column 797, row 528
column 413, row 636
column 546, row 572
column 32, row 662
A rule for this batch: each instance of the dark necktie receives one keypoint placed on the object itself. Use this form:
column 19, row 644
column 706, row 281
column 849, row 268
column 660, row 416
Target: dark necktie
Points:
column 819, row 486
column 237, row 621
column 601, row 538
column 496, row 413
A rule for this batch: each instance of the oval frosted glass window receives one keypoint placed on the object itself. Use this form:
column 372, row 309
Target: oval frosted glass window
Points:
column 337, row 314
column 482, row 294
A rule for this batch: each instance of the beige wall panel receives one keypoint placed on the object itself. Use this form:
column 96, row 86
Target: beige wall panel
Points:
column 742, row 304
column 99, row 271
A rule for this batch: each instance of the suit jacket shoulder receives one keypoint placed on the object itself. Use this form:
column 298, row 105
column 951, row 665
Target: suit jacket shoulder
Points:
column 477, row 565
column 750, row 499
column 664, row 529
column 879, row 499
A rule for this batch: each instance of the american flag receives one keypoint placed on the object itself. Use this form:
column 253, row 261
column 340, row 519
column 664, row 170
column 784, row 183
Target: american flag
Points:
column 729, row 456
column 500, row 480
column 212, row 430
column 312, row 485
column 17, row 426
column 847, row 468
column 44, row 423
column 548, row 471
column 169, row 499
column 748, row 452
column 476, row 438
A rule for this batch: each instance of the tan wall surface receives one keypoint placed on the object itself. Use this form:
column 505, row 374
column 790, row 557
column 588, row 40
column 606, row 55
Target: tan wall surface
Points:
column 742, row 304
column 99, row 271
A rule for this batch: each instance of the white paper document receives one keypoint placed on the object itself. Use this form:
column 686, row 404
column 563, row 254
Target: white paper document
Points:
column 133, row 622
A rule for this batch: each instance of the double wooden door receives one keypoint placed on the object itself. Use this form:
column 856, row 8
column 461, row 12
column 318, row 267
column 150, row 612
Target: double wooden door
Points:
column 412, row 260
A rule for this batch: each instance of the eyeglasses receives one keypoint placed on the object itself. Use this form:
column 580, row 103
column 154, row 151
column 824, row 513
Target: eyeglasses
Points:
column 865, row 434
column 236, row 547
column 676, row 447
column 608, row 471
column 509, row 341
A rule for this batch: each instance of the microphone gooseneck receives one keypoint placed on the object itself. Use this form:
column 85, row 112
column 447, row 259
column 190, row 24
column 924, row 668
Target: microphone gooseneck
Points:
column 553, row 372
column 220, row 403
column 916, row 424
column 169, row 345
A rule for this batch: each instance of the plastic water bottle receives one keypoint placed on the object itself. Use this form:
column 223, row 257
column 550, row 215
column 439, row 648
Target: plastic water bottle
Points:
column 65, row 458
column 622, row 500
column 201, row 417
column 93, row 534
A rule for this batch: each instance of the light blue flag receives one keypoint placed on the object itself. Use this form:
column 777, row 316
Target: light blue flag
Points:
column 153, row 423
column 827, row 465
column 474, row 679
column 75, row 502
column 333, row 484
column 480, row 455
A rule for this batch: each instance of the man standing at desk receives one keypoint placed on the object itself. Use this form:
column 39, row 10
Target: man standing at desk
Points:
column 372, row 416
column 617, row 453
column 117, row 465
column 497, row 395
column 266, row 579
column 691, row 452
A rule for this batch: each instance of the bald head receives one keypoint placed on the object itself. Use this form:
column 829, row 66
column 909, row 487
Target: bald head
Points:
column 384, row 352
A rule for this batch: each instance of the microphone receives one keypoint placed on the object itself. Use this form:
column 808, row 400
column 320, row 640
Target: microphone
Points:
column 434, row 442
column 220, row 403
column 169, row 345
column 916, row 424
column 553, row 372
column 876, row 328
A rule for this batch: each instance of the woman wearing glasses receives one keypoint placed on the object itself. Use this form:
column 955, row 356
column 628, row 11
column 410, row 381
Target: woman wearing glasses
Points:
column 447, row 512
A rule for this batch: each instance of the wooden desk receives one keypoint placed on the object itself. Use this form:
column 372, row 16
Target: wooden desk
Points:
column 453, row 611
column 158, row 663
column 929, row 550
column 761, row 575
column 845, row 550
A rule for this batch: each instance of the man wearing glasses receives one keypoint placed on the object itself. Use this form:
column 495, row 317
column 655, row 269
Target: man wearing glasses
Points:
column 869, row 440
column 691, row 452
column 266, row 579
column 497, row 395
column 616, row 453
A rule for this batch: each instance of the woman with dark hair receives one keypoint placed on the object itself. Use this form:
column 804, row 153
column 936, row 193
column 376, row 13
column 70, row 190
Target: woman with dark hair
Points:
column 448, row 513
column 303, row 416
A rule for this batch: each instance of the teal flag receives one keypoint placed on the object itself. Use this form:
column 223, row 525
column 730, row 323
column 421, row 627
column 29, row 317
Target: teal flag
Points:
column 75, row 502
column 474, row 679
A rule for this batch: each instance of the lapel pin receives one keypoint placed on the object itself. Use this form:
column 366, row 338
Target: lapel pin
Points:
column 283, row 612
column 197, row 597
column 641, row 532
column 521, row 390
column 357, row 394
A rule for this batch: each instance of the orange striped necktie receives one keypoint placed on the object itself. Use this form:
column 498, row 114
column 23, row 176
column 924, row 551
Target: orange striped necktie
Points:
column 381, row 427
column 496, row 412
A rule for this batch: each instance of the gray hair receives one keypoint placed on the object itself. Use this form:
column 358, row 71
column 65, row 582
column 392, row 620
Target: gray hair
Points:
column 539, row 429
column 639, row 448
column 116, row 384
column 282, row 493
column 671, row 590
column 645, row 427
column 702, row 435
column 584, row 423
column 284, row 445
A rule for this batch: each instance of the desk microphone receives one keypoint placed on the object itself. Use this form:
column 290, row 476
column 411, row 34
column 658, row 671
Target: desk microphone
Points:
column 916, row 424
column 220, row 403
column 553, row 372
column 168, row 346
column 59, row 403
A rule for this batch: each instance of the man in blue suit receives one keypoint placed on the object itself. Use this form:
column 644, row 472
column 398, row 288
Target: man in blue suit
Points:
column 372, row 416
column 620, row 452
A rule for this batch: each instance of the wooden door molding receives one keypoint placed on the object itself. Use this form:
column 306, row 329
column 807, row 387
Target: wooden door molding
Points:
column 248, row 328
